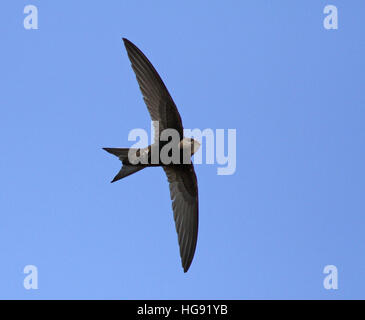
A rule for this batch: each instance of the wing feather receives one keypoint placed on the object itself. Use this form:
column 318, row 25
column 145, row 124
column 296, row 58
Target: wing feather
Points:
column 155, row 94
column 184, row 196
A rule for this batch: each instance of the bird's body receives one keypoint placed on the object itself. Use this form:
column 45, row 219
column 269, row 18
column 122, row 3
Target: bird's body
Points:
column 180, row 172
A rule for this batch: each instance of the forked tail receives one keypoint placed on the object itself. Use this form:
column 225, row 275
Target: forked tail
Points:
column 127, row 169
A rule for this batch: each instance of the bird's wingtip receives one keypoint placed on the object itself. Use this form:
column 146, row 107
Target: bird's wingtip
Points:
column 114, row 179
column 109, row 150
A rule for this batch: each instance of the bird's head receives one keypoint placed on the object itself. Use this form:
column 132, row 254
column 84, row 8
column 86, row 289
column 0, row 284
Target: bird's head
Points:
column 194, row 145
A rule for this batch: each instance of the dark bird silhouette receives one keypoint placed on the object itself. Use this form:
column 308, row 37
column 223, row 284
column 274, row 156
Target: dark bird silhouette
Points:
column 181, row 177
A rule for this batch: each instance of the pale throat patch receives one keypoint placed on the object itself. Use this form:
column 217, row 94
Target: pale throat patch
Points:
column 187, row 142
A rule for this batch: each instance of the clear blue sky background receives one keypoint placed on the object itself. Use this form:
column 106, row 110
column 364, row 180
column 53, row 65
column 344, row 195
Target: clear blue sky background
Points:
column 293, row 90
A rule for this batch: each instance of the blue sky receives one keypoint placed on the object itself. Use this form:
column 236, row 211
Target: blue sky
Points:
column 294, row 92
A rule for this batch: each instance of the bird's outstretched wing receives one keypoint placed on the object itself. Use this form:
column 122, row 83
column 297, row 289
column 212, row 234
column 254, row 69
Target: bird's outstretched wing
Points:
column 184, row 196
column 155, row 94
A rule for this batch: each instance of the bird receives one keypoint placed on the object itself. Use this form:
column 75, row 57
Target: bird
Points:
column 181, row 176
